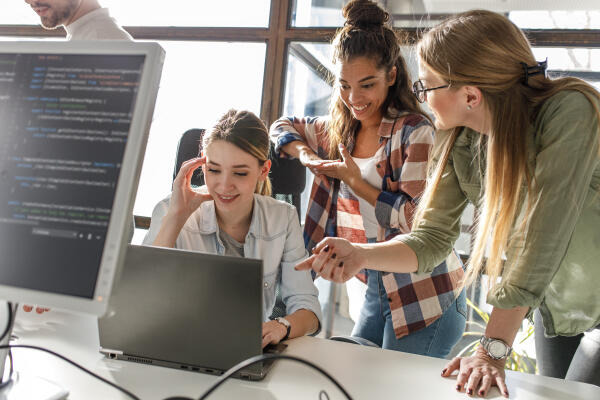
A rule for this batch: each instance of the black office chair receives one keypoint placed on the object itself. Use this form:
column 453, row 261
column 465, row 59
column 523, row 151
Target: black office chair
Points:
column 187, row 148
column 288, row 179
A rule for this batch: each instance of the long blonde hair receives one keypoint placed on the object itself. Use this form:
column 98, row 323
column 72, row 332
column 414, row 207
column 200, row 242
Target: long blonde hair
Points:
column 484, row 49
column 246, row 131
column 366, row 33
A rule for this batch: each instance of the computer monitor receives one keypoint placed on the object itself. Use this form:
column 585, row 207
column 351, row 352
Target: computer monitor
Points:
column 74, row 121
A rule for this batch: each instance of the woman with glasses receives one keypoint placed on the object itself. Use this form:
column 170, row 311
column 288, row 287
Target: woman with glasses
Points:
column 525, row 149
column 369, row 157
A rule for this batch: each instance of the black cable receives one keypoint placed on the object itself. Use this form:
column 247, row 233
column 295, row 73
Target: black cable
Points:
column 26, row 346
column 7, row 329
column 9, row 322
column 10, row 375
column 244, row 364
column 263, row 357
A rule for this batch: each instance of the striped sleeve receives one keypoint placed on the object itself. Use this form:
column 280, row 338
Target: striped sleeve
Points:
column 310, row 130
column 409, row 154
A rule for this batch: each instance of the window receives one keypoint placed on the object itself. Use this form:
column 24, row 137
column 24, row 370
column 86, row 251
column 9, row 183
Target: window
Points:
column 223, row 13
column 200, row 81
column 307, row 89
column 577, row 19
column 580, row 62
column 257, row 60
column 317, row 13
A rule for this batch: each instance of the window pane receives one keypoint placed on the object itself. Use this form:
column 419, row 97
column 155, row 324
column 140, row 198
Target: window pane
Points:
column 580, row 62
column 242, row 13
column 200, row 82
column 18, row 13
column 317, row 13
column 306, row 89
column 557, row 19
column 425, row 13
column 307, row 92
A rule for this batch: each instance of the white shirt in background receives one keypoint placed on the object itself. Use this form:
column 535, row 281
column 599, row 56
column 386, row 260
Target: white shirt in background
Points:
column 356, row 289
column 368, row 171
column 96, row 25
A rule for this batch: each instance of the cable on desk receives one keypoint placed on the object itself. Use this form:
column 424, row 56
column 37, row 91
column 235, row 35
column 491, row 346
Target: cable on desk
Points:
column 9, row 322
column 11, row 373
column 26, row 346
column 7, row 329
column 262, row 357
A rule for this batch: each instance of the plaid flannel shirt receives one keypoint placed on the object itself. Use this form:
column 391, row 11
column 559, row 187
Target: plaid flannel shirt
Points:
column 416, row 300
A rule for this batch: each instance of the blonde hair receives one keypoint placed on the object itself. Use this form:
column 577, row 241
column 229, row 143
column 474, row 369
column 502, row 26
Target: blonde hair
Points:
column 484, row 49
column 246, row 131
column 366, row 33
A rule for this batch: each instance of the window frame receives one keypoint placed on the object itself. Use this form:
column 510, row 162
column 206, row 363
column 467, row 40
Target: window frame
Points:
column 277, row 37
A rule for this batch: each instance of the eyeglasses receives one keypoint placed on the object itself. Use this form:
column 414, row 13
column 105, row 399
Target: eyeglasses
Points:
column 420, row 91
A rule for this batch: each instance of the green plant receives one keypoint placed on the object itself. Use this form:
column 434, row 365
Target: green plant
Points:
column 516, row 361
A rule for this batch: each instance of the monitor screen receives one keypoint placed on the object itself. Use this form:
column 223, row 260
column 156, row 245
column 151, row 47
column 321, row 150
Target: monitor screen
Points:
column 67, row 117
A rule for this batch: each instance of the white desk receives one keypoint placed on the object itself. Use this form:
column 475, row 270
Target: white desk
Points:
column 367, row 373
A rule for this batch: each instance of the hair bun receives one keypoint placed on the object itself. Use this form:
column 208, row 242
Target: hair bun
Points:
column 364, row 14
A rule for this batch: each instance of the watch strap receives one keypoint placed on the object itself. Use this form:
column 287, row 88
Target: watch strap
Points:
column 287, row 325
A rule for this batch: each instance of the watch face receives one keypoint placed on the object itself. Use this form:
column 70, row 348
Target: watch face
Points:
column 497, row 349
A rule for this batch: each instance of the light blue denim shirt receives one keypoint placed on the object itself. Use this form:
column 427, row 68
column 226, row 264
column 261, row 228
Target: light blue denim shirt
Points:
column 274, row 236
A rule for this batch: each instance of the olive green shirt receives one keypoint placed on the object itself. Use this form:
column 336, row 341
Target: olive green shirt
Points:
column 554, row 263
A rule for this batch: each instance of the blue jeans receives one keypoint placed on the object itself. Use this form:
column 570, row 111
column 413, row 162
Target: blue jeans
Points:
column 436, row 340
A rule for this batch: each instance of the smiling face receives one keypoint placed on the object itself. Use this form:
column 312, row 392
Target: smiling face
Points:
column 231, row 176
column 364, row 88
column 54, row 13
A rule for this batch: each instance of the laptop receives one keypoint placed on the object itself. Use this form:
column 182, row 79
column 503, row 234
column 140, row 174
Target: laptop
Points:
column 186, row 310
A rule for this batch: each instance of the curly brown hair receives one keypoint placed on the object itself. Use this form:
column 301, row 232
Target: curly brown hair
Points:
column 368, row 33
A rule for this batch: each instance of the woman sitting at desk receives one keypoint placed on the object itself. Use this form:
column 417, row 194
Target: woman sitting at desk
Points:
column 526, row 149
column 234, row 215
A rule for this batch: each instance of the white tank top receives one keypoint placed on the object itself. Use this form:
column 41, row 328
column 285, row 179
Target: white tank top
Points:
column 368, row 171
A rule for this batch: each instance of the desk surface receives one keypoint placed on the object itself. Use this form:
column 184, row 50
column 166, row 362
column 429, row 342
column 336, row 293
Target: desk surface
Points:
column 367, row 373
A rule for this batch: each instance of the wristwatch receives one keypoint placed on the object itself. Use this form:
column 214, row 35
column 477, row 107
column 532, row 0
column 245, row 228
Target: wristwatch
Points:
column 495, row 348
column 287, row 325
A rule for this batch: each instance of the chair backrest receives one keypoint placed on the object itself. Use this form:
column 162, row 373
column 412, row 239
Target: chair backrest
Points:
column 188, row 147
column 288, row 179
column 288, row 176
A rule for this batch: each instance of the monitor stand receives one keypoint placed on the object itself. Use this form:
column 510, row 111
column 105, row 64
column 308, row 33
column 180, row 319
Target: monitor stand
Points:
column 23, row 387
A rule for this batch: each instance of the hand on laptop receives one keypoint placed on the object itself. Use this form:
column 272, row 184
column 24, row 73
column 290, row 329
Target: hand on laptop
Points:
column 272, row 333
